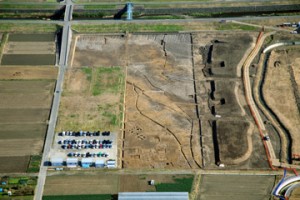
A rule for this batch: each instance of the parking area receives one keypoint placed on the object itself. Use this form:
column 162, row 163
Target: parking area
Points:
column 84, row 144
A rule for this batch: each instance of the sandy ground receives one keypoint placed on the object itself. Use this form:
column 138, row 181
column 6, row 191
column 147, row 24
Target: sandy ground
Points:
column 160, row 109
column 279, row 91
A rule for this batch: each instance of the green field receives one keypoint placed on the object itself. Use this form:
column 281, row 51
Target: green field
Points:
column 30, row 59
column 34, row 164
column 130, row 27
column 180, row 185
column 31, row 37
column 28, row 27
column 79, row 197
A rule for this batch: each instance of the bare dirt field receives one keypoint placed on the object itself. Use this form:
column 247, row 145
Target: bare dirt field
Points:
column 281, row 90
column 234, row 141
column 8, row 164
column 25, row 73
column 228, row 132
column 161, row 121
column 235, row 187
column 79, row 184
column 22, row 131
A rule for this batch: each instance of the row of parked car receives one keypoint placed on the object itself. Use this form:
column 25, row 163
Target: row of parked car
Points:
column 87, row 155
column 84, row 133
column 86, row 146
column 85, row 141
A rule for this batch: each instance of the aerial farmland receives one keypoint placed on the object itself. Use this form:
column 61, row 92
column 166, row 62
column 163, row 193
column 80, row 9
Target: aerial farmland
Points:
column 101, row 100
column 26, row 96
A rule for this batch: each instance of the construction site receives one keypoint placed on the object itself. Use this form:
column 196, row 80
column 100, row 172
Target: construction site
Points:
column 204, row 108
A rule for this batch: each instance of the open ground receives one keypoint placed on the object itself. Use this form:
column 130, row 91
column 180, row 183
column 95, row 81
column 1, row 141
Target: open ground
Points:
column 229, row 136
column 281, row 90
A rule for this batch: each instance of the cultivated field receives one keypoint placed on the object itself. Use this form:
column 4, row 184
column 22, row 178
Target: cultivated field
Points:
column 8, row 164
column 29, row 49
column 26, row 96
column 25, row 108
column 235, row 187
column 93, row 183
column 281, row 90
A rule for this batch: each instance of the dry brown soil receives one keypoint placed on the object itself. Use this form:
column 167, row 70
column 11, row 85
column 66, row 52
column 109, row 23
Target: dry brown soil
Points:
column 160, row 109
column 280, row 92
column 9, row 73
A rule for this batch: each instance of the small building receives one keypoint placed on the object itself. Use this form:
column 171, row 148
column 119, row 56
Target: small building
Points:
column 99, row 163
column 111, row 164
column 56, row 162
column 153, row 195
column 86, row 162
column 72, row 162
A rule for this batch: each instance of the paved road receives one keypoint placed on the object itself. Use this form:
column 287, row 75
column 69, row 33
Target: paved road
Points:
column 65, row 47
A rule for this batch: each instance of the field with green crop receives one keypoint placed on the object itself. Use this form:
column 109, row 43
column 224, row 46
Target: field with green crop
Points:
column 79, row 197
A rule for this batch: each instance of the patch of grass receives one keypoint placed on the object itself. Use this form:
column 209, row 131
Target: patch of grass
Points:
column 162, row 17
column 180, row 185
column 34, row 164
column 232, row 26
column 88, row 72
column 28, row 27
column 27, row 6
column 129, row 27
column 79, row 197
column 107, row 80
column 13, row 181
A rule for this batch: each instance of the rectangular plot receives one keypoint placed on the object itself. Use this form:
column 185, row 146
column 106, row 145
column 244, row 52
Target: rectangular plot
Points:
column 30, row 86
column 22, row 131
column 14, row 164
column 9, row 116
column 81, row 184
column 30, row 48
column 31, row 37
column 20, row 147
column 9, row 73
column 242, row 186
column 22, row 59
column 23, row 100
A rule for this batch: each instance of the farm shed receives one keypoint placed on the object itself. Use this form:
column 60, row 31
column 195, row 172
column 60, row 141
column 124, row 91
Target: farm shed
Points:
column 111, row 164
column 72, row 162
column 56, row 162
column 99, row 163
column 86, row 162
column 153, row 195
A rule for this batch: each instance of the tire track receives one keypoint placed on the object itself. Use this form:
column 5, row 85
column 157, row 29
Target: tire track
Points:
column 141, row 113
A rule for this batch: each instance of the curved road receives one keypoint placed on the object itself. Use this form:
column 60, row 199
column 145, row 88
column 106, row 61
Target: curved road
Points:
column 248, row 93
